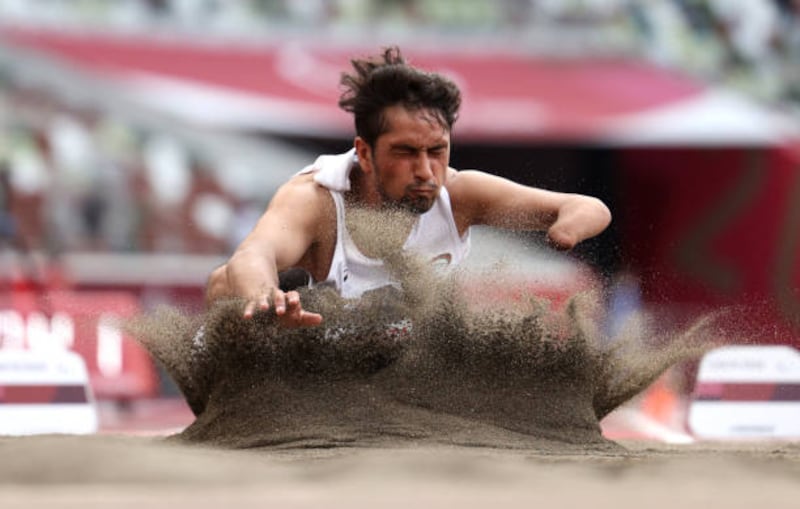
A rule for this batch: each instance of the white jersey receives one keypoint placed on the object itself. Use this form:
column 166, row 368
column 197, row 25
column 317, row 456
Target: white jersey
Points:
column 434, row 235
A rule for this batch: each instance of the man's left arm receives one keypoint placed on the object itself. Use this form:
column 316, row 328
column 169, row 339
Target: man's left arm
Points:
column 481, row 198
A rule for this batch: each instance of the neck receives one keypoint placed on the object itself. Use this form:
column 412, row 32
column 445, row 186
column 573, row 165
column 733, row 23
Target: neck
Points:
column 379, row 233
column 363, row 190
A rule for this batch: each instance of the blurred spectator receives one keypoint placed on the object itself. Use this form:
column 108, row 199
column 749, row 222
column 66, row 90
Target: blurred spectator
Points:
column 789, row 47
column 94, row 182
column 18, row 268
column 77, row 196
column 8, row 228
column 310, row 12
column 118, row 158
column 208, row 213
column 751, row 44
column 28, row 183
column 8, row 223
column 168, row 176
column 749, row 31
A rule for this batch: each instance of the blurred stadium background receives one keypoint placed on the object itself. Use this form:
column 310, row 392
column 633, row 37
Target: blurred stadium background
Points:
column 140, row 140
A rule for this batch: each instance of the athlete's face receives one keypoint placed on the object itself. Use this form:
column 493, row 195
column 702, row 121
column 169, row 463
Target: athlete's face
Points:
column 410, row 159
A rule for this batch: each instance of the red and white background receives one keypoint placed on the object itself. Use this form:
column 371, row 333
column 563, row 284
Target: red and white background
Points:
column 708, row 182
column 89, row 323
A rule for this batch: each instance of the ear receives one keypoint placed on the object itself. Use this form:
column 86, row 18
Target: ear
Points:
column 364, row 153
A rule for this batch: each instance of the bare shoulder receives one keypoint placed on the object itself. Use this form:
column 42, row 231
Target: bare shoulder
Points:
column 478, row 197
column 299, row 205
column 465, row 189
column 469, row 187
column 303, row 185
column 465, row 181
column 303, row 195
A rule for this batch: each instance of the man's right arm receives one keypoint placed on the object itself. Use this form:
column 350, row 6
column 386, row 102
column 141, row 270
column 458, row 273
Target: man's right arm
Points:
column 278, row 241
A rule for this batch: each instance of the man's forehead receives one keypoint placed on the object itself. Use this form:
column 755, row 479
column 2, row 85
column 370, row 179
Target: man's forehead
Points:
column 399, row 114
column 414, row 126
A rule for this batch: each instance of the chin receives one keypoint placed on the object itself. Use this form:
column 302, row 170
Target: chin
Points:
column 417, row 206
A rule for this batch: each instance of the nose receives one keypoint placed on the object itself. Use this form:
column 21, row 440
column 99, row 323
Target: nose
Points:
column 423, row 171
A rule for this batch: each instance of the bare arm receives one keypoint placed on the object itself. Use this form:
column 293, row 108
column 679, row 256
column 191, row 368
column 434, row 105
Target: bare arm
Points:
column 279, row 240
column 480, row 198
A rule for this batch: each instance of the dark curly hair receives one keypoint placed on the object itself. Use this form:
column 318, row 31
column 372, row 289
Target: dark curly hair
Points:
column 387, row 80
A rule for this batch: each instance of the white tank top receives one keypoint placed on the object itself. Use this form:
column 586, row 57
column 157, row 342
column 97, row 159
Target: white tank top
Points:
column 433, row 236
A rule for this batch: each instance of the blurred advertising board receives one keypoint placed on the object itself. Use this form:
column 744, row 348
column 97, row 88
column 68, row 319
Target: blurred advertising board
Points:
column 89, row 324
column 45, row 392
column 747, row 391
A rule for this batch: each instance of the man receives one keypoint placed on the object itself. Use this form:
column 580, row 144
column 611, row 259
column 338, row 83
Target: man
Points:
column 403, row 118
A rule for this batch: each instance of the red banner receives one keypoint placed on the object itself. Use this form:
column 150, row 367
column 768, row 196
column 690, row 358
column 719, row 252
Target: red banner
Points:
column 87, row 323
column 717, row 227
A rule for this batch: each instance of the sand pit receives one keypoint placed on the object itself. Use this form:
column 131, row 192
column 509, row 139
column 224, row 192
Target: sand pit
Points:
column 421, row 366
column 111, row 471
column 505, row 415
column 475, row 404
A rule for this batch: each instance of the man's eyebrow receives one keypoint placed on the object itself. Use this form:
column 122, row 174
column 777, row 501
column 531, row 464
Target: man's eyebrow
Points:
column 414, row 148
column 403, row 146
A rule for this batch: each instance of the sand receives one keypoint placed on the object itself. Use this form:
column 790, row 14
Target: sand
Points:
column 431, row 418
column 421, row 366
column 419, row 395
column 116, row 471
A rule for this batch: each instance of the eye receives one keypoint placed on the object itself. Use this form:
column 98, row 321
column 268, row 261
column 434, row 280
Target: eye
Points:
column 404, row 151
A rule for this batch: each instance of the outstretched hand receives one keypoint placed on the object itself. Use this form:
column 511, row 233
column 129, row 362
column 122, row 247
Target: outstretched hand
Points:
column 288, row 309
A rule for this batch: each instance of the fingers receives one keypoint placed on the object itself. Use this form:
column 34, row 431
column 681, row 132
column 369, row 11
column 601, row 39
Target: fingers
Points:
column 300, row 318
column 279, row 299
column 261, row 304
column 292, row 313
column 288, row 309
column 286, row 302
column 258, row 305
